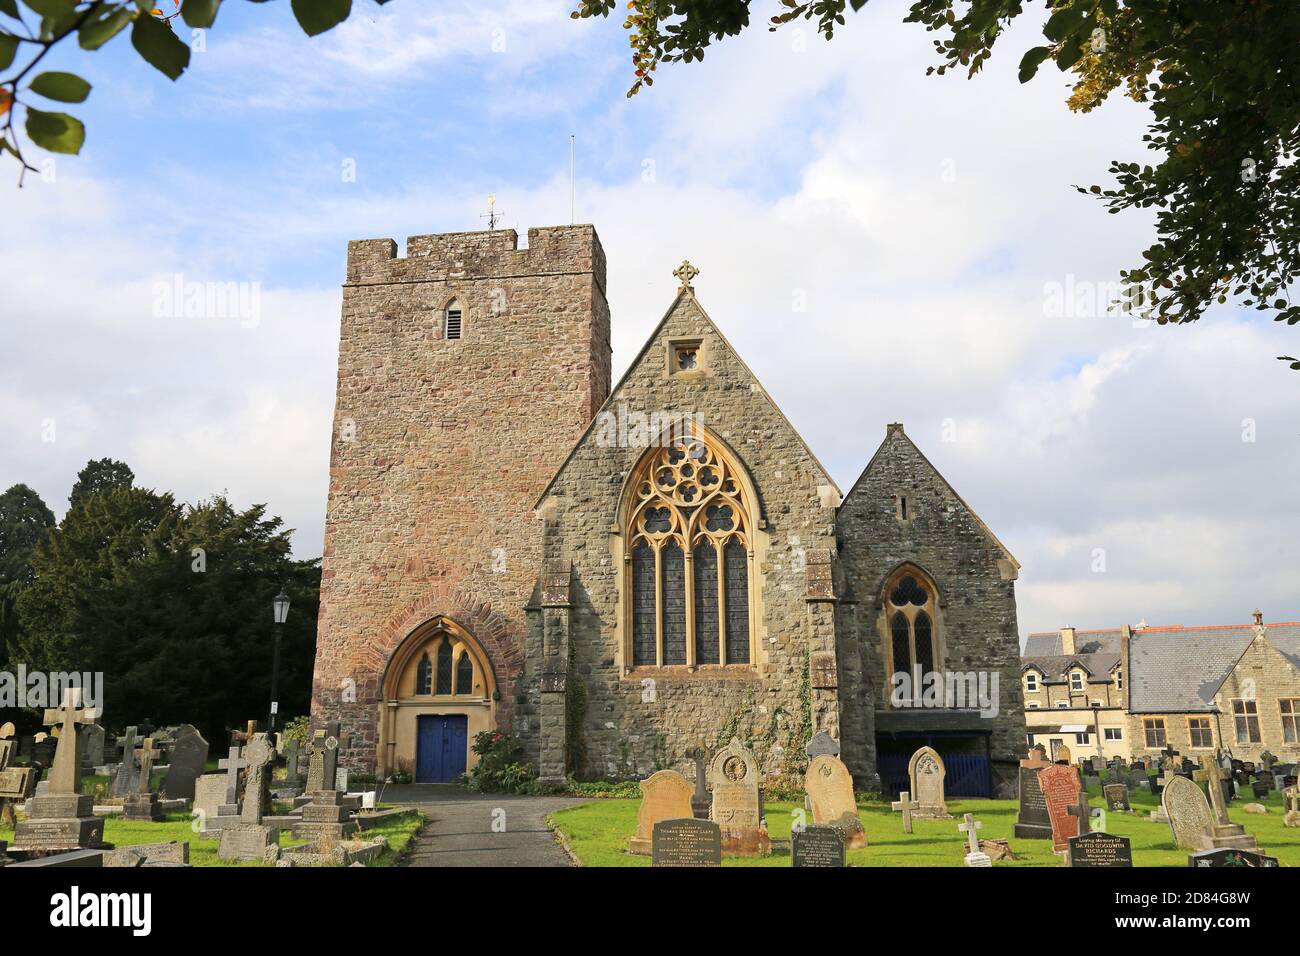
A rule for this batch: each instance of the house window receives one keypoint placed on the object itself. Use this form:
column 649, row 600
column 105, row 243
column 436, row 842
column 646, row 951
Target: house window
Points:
column 910, row 605
column 1119, row 680
column 689, row 568
column 1033, row 705
column 1199, row 730
column 1290, row 719
column 1154, row 730
column 451, row 321
column 1031, row 682
column 1082, row 738
column 1112, row 733
column 1076, row 682
column 1245, row 715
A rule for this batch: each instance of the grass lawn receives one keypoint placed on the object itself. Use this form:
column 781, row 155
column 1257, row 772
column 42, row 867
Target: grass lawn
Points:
column 122, row 833
column 598, row 833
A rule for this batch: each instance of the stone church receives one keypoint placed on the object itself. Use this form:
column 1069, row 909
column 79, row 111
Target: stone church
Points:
column 619, row 573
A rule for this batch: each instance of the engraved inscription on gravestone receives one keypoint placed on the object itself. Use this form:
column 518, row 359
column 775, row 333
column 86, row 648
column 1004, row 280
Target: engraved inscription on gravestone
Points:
column 817, row 846
column 1099, row 850
column 686, row 842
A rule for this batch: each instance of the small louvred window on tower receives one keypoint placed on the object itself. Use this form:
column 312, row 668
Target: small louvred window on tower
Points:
column 451, row 326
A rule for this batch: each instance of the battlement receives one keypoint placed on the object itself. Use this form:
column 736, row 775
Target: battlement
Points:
column 485, row 254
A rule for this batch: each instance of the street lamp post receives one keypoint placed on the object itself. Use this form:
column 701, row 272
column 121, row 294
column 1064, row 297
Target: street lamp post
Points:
column 281, row 606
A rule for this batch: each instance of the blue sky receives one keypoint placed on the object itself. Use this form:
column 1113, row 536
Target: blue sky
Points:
column 924, row 221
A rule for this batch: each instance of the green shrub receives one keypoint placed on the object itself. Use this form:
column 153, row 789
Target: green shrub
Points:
column 498, row 770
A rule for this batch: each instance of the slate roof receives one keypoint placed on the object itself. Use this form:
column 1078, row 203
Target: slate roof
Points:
column 1048, row 643
column 1055, row 667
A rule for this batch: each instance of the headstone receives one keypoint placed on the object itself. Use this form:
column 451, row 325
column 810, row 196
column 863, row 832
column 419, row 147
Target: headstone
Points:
column 817, row 846
column 62, row 819
column 1190, row 818
column 906, row 804
column 1062, row 755
column 830, row 792
column 1032, row 822
column 822, row 744
column 1116, row 795
column 232, row 765
column 970, row 826
column 1099, row 850
column 291, row 762
column 665, row 795
column 700, row 798
column 1224, row 833
column 210, row 807
column 736, row 808
column 92, row 746
column 1230, row 857
column 16, row 783
column 187, row 758
column 143, row 804
column 324, row 817
column 1080, row 810
column 1260, row 789
column 1060, row 786
column 925, row 774
column 250, row 839
column 174, row 853
column 686, row 842
column 125, row 780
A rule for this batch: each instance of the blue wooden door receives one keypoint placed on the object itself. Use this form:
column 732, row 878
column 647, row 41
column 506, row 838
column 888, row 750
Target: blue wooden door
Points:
column 441, row 748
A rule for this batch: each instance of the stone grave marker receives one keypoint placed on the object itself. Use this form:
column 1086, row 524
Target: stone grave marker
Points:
column 926, row 773
column 974, row 855
column 700, row 798
column 1060, row 785
column 817, row 846
column 187, row 757
column 125, row 781
column 210, row 807
column 830, row 793
column 291, row 762
column 665, row 795
column 62, row 819
column 1116, row 796
column 1189, row 815
column 232, row 764
column 143, row 804
column 324, row 817
column 1099, row 849
column 1032, row 821
column 1223, row 833
column 16, row 783
column 906, row 804
column 1227, row 856
column 733, row 780
column 686, row 842
column 822, row 744
column 250, row 839
column 92, row 746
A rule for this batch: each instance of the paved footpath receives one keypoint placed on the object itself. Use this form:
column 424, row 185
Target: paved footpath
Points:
column 481, row 829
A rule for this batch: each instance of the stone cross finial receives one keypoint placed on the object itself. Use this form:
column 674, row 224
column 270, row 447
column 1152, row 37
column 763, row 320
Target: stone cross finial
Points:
column 686, row 272
column 907, row 805
column 146, row 754
column 970, row 828
column 1212, row 777
column 1082, row 811
column 65, row 775
column 1259, row 616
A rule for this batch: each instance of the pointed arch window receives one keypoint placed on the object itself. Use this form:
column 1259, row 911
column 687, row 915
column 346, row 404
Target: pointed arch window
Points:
column 910, row 611
column 444, row 667
column 464, row 673
column 688, row 563
column 424, row 675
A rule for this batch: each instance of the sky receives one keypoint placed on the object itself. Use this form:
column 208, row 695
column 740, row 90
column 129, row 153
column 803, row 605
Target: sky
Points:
column 878, row 244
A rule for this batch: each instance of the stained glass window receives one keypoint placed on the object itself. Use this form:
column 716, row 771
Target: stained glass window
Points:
column 706, row 603
column 673, row 564
column 737, row 576
column 924, row 647
column 424, row 675
column 643, row 604
column 444, row 667
column 464, row 674
column 913, row 639
column 902, row 644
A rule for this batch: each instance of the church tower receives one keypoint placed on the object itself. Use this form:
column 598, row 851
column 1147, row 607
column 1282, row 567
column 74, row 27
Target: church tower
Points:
column 467, row 370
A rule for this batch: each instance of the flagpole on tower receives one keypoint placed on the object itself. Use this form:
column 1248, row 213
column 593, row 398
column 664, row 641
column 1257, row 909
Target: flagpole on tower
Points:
column 572, row 191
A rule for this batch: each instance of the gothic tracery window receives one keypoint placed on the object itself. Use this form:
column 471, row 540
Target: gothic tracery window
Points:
column 424, row 675
column 688, row 558
column 444, row 667
column 910, row 614
column 464, row 674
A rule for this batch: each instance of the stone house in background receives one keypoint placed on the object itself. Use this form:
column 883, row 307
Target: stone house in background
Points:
column 1233, row 687
column 617, row 574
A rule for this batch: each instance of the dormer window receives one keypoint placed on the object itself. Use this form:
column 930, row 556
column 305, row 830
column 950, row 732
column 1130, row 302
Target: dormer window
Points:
column 1119, row 680
column 452, row 321
column 1031, row 682
column 1076, row 682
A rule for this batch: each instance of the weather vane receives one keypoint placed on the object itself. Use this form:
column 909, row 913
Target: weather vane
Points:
column 491, row 214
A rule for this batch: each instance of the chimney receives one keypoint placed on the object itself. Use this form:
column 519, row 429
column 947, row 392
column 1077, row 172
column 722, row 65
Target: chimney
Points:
column 1067, row 641
column 893, row 428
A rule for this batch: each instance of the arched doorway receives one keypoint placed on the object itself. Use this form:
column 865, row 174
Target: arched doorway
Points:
column 439, row 692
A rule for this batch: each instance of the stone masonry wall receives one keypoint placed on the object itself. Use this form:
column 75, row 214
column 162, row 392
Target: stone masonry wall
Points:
column 621, row 725
column 976, row 586
column 440, row 448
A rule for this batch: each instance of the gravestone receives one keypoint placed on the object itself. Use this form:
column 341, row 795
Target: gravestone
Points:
column 736, row 808
column 1260, row 789
column 1099, row 850
column 291, row 762
column 232, row 765
column 686, row 842
column 1032, row 821
column 925, row 774
column 665, row 795
column 250, row 839
column 1190, row 820
column 1060, row 785
column 16, row 783
column 1116, row 796
column 830, row 794
column 1223, row 833
column 62, row 819
column 92, row 746
column 906, row 804
column 817, row 846
column 210, row 807
column 324, row 817
column 822, row 744
column 700, row 798
column 188, row 755
column 974, row 855
column 143, row 804
column 1062, row 755
column 125, row 780
column 1230, row 857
